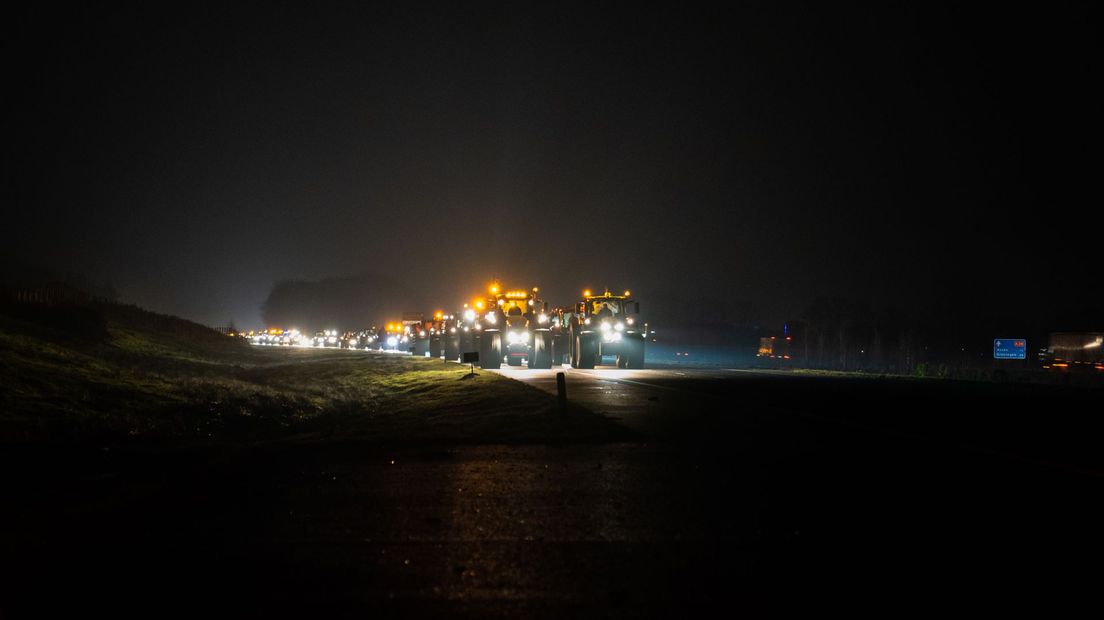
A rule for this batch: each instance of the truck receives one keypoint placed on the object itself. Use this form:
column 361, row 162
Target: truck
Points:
column 775, row 351
column 1074, row 352
column 597, row 327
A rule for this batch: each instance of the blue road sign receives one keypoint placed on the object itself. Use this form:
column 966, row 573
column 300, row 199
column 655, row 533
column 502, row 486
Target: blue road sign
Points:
column 1010, row 349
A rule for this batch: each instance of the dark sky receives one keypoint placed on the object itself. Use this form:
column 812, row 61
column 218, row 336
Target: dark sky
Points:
column 770, row 153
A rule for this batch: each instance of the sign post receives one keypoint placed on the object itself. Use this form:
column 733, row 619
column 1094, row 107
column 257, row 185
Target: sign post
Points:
column 471, row 357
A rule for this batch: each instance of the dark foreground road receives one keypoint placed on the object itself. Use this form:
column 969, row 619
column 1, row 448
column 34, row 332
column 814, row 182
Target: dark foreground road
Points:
column 734, row 494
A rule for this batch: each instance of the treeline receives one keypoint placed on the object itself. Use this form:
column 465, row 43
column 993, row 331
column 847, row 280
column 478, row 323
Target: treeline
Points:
column 942, row 336
column 29, row 283
column 353, row 302
column 947, row 334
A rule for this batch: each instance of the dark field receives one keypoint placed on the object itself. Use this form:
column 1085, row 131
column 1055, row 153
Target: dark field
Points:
column 748, row 494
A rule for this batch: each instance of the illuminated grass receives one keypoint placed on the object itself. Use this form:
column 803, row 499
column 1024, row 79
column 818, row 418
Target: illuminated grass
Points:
column 141, row 383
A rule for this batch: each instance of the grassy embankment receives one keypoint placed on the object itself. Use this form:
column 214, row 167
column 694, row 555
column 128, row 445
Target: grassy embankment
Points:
column 116, row 373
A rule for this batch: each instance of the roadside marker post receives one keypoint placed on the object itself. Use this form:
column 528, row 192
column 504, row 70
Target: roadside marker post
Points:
column 561, row 390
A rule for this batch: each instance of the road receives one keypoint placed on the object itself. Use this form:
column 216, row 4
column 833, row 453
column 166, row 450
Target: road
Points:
column 732, row 493
column 651, row 402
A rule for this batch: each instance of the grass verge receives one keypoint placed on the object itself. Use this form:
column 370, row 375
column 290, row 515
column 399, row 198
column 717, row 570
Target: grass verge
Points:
column 119, row 374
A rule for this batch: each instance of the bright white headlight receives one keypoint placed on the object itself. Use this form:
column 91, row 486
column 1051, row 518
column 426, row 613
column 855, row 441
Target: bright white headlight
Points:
column 542, row 318
column 469, row 315
column 491, row 318
column 619, row 327
column 629, row 320
column 392, row 341
column 605, row 327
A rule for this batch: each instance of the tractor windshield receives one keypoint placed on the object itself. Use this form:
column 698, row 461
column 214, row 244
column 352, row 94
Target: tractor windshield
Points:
column 514, row 308
column 607, row 307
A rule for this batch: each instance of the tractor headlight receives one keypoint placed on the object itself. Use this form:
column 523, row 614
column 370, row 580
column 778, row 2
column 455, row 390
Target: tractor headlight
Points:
column 452, row 331
column 392, row 341
column 542, row 318
column 586, row 322
column 605, row 327
column 469, row 315
column 491, row 318
column 619, row 327
column 515, row 337
column 421, row 334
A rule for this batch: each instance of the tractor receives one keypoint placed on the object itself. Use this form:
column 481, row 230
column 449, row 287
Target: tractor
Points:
column 597, row 327
column 513, row 325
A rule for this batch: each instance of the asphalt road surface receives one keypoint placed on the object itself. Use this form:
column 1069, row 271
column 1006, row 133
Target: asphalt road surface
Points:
column 732, row 493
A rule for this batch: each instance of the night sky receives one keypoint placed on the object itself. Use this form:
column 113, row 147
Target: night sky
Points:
column 773, row 153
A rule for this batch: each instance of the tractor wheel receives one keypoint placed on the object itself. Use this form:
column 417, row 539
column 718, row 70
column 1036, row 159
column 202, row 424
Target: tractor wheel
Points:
column 490, row 349
column 540, row 355
column 435, row 346
column 468, row 343
column 586, row 350
column 559, row 349
column 632, row 353
column 452, row 346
